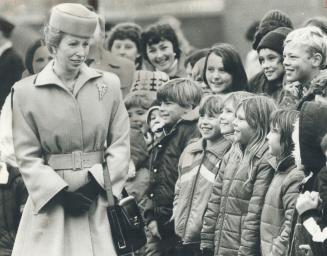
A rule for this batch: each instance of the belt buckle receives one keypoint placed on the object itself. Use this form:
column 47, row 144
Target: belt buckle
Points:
column 77, row 160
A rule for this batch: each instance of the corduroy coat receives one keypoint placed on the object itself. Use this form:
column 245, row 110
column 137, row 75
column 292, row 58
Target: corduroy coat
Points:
column 49, row 119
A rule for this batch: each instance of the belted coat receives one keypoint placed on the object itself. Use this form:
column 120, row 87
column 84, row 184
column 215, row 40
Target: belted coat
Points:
column 49, row 119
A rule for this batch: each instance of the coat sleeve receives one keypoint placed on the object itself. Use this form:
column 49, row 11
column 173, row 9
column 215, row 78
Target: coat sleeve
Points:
column 211, row 214
column 42, row 182
column 250, row 234
column 117, row 153
column 290, row 194
column 178, row 185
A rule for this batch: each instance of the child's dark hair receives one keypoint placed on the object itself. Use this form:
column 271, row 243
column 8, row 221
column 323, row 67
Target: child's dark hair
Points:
column 232, row 64
column 211, row 106
column 159, row 32
column 284, row 119
column 30, row 55
column 137, row 100
column 195, row 56
column 183, row 91
column 323, row 143
column 127, row 30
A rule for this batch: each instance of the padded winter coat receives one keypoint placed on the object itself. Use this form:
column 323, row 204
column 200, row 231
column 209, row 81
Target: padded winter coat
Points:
column 278, row 208
column 231, row 224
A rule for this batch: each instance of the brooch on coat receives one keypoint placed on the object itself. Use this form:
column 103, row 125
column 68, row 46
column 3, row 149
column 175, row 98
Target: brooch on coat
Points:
column 102, row 88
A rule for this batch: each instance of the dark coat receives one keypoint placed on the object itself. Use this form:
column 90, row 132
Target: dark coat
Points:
column 11, row 69
column 164, row 157
column 13, row 196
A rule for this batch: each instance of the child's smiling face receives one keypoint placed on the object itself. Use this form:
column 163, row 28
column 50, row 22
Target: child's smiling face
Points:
column 243, row 132
column 298, row 63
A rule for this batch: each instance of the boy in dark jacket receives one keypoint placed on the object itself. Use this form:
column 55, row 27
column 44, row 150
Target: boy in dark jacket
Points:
column 178, row 99
column 13, row 195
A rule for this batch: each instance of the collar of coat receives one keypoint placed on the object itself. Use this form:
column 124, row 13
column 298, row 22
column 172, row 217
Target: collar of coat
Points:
column 200, row 145
column 47, row 77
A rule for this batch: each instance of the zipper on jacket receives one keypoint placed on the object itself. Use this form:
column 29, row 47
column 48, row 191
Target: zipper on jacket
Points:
column 193, row 189
column 227, row 196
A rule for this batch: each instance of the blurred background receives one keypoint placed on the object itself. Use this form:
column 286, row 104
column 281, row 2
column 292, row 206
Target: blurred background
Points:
column 204, row 22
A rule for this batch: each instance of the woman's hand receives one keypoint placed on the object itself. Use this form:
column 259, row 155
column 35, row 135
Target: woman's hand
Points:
column 74, row 203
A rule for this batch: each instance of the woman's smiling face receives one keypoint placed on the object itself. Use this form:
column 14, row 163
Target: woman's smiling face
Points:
column 161, row 55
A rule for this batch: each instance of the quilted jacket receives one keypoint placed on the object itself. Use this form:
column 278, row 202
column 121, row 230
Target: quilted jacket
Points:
column 278, row 208
column 231, row 224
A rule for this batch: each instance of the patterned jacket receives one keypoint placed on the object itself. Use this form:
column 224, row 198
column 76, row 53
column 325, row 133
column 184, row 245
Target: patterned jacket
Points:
column 198, row 167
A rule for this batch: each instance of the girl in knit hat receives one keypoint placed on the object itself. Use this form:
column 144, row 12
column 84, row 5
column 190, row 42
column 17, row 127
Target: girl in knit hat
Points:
column 69, row 126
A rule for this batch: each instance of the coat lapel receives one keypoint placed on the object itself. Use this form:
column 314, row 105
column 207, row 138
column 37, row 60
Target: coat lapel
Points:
column 48, row 77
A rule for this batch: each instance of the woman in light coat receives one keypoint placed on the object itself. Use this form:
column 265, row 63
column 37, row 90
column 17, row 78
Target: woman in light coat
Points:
column 69, row 125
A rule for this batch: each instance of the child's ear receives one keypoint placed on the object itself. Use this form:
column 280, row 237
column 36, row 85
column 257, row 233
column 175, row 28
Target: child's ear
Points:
column 317, row 60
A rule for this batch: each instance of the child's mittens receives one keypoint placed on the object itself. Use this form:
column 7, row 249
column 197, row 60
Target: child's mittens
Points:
column 307, row 201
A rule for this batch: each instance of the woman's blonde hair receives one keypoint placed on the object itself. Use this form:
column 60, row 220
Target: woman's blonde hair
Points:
column 257, row 111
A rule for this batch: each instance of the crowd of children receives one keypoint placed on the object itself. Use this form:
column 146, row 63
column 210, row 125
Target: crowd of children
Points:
column 221, row 165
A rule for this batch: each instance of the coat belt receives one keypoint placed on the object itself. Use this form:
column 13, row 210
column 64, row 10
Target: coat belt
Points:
column 76, row 160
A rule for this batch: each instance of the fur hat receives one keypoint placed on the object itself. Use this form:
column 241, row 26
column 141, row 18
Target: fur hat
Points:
column 74, row 19
column 271, row 20
column 274, row 40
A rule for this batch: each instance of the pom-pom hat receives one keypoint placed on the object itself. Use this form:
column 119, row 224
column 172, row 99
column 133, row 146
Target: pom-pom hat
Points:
column 74, row 19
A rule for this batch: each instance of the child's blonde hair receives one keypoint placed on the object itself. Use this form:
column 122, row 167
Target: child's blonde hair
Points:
column 183, row 91
column 257, row 111
column 311, row 37
column 236, row 97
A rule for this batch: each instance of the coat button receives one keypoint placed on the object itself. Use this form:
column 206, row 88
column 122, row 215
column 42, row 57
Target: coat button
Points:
column 159, row 146
column 155, row 170
column 151, row 195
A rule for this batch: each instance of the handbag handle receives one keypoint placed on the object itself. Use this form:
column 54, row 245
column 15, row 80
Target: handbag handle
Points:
column 108, row 185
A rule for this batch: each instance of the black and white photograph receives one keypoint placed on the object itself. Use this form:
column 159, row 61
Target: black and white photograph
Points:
column 163, row 128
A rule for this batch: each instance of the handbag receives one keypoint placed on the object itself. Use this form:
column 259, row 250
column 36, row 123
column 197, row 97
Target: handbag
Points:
column 126, row 222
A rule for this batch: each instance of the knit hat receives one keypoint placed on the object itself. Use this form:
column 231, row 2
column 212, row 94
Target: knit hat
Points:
column 74, row 19
column 271, row 20
column 274, row 40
